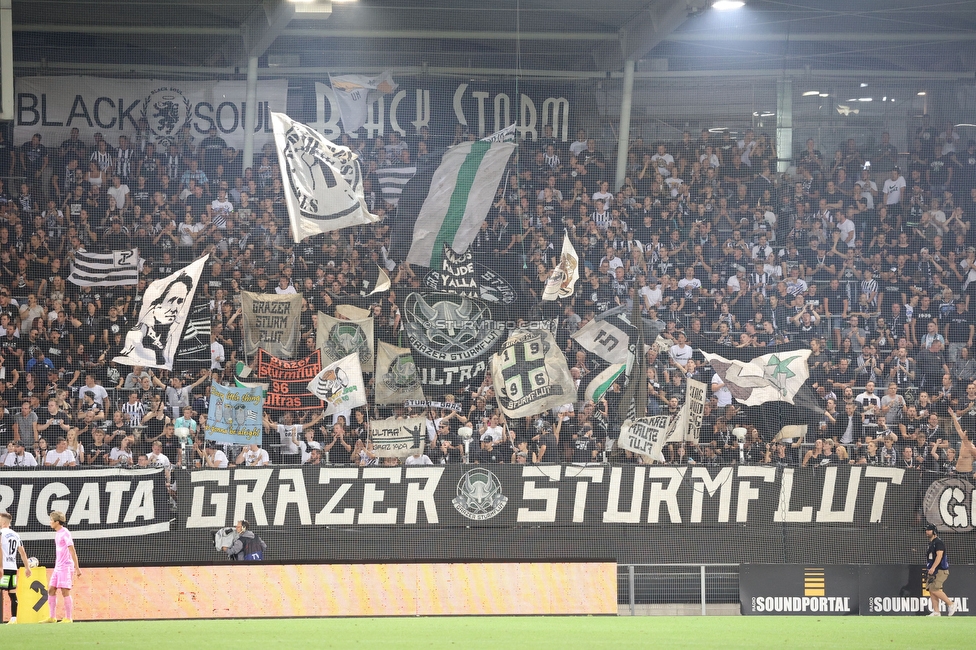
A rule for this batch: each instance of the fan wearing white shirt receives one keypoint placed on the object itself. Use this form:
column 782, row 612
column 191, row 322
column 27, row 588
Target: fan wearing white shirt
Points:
column 216, row 458
column 254, row 456
column 157, row 458
column 18, row 457
column 60, row 456
column 893, row 187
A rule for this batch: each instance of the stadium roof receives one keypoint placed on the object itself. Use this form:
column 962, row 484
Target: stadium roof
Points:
column 542, row 38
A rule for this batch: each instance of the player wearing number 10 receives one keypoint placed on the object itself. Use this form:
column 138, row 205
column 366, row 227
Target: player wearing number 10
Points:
column 10, row 544
column 66, row 566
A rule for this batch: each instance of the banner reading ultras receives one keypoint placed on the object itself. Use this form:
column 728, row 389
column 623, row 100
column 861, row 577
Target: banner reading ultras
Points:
column 289, row 381
column 99, row 504
column 511, row 495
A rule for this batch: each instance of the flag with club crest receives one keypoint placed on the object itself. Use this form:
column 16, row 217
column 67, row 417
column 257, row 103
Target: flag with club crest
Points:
column 340, row 385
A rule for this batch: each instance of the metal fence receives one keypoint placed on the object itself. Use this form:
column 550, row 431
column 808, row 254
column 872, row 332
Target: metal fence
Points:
column 660, row 584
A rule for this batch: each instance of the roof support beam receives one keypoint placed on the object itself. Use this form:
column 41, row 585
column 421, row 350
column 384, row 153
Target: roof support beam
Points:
column 130, row 29
column 648, row 28
column 264, row 25
column 833, row 37
column 415, row 34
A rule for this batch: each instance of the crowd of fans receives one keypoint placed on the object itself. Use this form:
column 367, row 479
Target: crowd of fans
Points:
column 867, row 256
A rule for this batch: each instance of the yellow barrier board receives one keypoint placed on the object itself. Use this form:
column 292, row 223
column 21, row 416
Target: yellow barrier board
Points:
column 32, row 596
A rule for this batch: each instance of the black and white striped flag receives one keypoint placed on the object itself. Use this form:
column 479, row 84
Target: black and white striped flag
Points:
column 118, row 268
column 392, row 179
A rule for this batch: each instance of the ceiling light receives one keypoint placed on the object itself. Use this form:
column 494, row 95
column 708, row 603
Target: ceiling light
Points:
column 865, row 99
column 718, row 129
column 863, row 85
column 885, row 98
column 825, row 94
column 966, row 124
column 723, row 5
column 852, row 100
column 921, row 93
column 767, row 114
column 811, row 93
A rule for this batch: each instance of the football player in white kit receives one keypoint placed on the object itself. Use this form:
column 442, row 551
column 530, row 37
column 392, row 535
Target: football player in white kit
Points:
column 10, row 544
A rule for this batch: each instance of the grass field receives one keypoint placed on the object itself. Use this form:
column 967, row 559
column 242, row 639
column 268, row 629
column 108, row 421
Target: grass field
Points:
column 508, row 632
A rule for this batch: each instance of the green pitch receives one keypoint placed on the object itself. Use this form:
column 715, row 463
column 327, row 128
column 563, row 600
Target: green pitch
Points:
column 471, row 633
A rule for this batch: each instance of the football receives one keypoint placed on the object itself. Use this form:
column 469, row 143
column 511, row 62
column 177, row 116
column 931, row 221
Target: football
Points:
column 32, row 562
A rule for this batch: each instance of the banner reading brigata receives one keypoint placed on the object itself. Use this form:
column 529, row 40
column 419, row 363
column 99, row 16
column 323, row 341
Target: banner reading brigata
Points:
column 52, row 106
column 289, row 381
column 99, row 504
column 271, row 322
column 235, row 414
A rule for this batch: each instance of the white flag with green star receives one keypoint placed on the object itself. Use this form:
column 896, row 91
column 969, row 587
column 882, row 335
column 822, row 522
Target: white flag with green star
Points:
column 769, row 378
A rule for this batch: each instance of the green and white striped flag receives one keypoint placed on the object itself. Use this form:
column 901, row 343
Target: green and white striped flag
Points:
column 461, row 193
column 600, row 384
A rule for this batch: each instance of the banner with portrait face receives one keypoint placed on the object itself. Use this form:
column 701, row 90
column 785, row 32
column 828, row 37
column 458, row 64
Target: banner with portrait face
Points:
column 165, row 308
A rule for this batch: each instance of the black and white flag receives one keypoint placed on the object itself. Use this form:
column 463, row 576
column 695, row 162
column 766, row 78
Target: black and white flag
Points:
column 457, row 273
column 530, row 374
column 323, row 181
column 115, row 269
column 162, row 320
column 194, row 351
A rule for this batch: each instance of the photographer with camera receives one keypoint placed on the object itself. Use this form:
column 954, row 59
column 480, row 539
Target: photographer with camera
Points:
column 248, row 547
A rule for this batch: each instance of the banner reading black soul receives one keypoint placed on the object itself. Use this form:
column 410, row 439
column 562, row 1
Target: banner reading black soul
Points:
column 514, row 495
column 99, row 504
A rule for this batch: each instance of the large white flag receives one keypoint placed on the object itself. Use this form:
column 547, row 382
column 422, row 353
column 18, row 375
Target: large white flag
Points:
column 461, row 193
column 340, row 385
column 564, row 277
column 530, row 374
column 769, row 378
column 604, row 339
column 165, row 307
column 323, row 181
column 352, row 93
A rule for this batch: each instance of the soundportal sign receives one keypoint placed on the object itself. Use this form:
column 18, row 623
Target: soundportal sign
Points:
column 512, row 495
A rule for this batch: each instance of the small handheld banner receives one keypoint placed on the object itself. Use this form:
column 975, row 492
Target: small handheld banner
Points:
column 235, row 414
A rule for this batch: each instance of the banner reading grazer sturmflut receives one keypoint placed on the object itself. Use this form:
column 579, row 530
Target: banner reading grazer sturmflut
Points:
column 272, row 322
column 398, row 437
column 52, row 106
column 99, row 503
column 235, row 415
column 289, row 381
column 165, row 307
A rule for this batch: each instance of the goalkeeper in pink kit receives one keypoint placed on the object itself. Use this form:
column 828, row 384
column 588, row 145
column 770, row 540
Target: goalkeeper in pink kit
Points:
column 66, row 566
